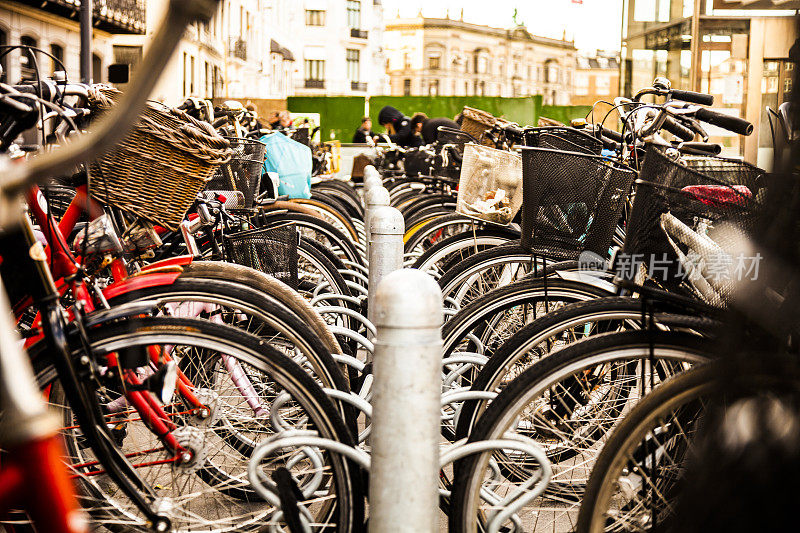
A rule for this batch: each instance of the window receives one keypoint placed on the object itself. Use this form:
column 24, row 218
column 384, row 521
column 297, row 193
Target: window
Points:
column 434, row 62
column 57, row 51
column 217, row 83
column 191, row 75
column 530, row 72
column 97, row 69
column 208, row 79
column 185, row 73
column 4, row 59
column 551, row 72
column 354, row 14
column 406, row 61
column 602, row 84
column 26, row 61
column 581, row 84
column 406, row 87
column 315, row 69
column 483, row 65
column 129, row 55
column 433, row 89
column 315, row 17
column 353, row 65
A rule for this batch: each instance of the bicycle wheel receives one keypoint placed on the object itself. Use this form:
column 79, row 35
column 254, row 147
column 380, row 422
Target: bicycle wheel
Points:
column 211, row 491
column 266, row 285
column 556, row 330
column 250, row 310
column 637, row 477
column 330, row 210
column 315, row 229
column 490, row 320
column 455, row 249
column 488, row 269
column 420, row 238
column 567, row 402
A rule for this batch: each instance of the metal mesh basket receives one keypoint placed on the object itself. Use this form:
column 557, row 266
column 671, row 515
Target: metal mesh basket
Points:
column 243, row 172
column 270, row 250
column 689, row 221
column 563, row 138
column 571, row 202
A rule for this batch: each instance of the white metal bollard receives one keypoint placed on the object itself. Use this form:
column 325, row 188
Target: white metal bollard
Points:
column 385, row 249
column 404, row 479
column 376, row 197
column 371, row 177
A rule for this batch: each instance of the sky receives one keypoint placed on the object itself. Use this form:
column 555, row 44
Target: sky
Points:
column 594, row 24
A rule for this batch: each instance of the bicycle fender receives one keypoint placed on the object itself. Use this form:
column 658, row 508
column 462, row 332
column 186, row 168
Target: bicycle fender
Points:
column 172, row 261
column 595, row 279
column 143, row 281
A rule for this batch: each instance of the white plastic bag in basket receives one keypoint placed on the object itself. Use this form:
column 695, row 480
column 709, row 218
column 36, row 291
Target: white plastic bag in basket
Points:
column 488, row 173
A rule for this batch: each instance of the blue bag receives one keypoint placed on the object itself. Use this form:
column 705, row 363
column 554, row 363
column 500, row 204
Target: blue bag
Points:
column 291, row 161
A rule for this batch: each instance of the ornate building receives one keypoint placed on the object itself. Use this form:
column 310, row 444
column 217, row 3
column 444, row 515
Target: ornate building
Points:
column 431, row 56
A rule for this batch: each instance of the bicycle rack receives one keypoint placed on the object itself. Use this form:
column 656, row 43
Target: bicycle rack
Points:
column 309, row 444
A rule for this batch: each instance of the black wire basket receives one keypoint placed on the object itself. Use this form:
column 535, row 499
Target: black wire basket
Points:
column 243, row 172
column 715, row 198
column 271, row 250
column 563, row 138
column 571, row 202
column 58, row 199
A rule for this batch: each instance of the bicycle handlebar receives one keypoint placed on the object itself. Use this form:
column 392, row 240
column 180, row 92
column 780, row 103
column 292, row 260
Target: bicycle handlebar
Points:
column 728, row 122
column 110, row 129
column 700, row 148
column 678, row 130
column 693, row 97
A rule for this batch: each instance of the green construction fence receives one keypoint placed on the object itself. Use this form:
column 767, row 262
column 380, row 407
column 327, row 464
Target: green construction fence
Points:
column 341, row 115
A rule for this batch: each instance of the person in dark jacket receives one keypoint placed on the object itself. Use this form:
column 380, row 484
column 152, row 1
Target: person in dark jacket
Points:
column 399, row 127
column 428, row 128
column 364, row 132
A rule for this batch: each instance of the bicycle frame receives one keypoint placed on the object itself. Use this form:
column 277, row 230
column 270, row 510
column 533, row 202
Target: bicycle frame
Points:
column 150, row 412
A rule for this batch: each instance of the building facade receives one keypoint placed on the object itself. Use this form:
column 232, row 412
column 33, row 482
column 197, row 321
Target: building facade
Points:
column 430, row 56
column 53, row 26
column 743, row 59
column 231, row 56
column 596, row 78
column 340, row 48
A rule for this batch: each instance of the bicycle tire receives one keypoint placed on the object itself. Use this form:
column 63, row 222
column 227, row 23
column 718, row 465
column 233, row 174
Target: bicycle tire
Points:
column 252, row 352
column 269, row 286
column 539, row 379
column 251, row 302
column 760, row 373
column 515, row 294
column 602, row 314
column 313, row 228
column 454, row 249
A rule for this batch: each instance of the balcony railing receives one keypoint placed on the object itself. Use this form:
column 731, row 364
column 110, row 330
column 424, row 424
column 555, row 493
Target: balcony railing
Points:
column 315, row 84
column 238, row 48
column 358, row 34
column 113, row 16
column 360, row 86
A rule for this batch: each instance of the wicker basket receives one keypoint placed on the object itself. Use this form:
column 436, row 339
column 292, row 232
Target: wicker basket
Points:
column 476, row 122
column 485, row 171
column 156, row 171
